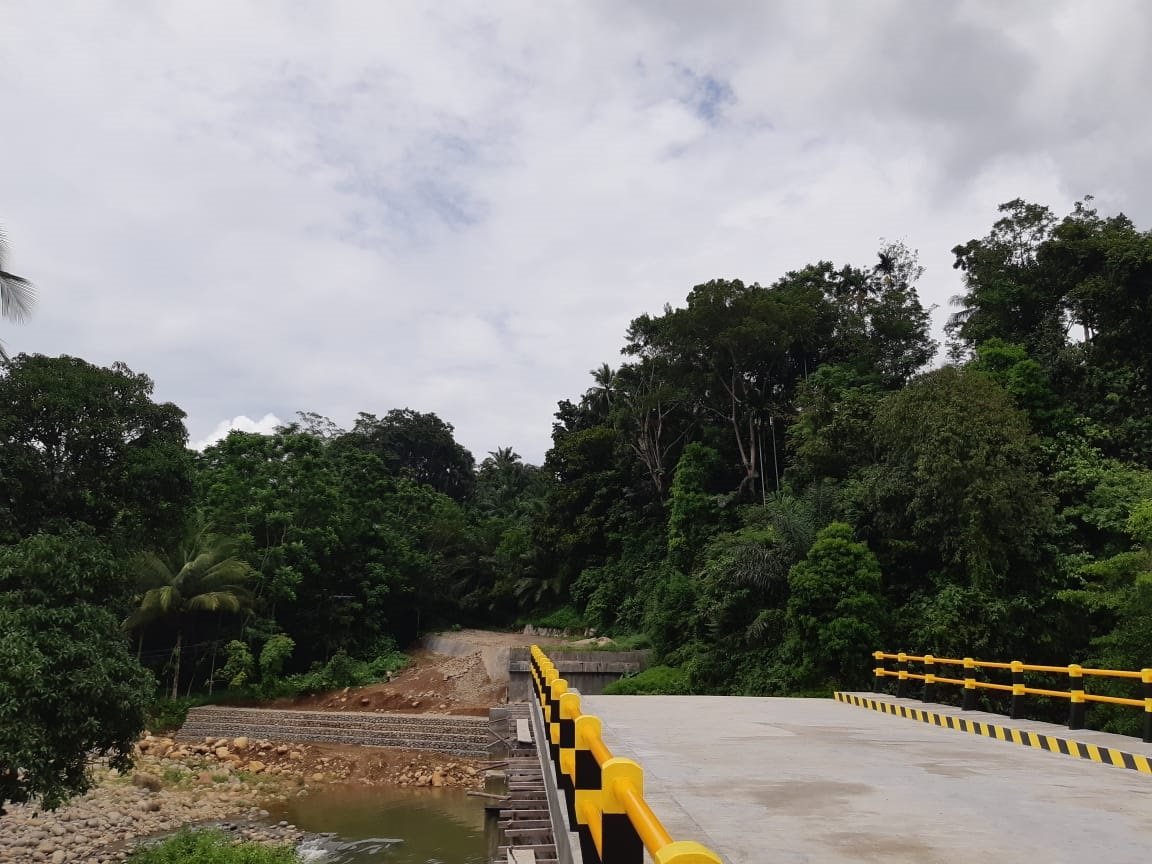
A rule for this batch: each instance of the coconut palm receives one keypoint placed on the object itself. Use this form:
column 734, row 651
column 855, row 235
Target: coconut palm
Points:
column 599, row 397
column 17, row 295
column 201, row 575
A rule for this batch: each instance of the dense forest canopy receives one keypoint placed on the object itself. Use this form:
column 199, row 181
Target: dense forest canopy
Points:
column 773, row 481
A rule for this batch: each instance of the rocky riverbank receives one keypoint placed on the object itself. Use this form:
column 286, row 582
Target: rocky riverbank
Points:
column 221, row 780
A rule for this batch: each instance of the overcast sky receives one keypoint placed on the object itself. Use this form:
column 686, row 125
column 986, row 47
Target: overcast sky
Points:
column 458, row 207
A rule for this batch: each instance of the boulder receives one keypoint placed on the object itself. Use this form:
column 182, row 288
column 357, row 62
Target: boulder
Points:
column 240, row 743
column 146, row 781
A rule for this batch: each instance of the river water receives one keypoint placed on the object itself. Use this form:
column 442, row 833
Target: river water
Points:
column 373, row 825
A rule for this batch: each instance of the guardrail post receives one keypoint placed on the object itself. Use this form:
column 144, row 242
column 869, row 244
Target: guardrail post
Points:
column 878, row 656
column 586, row 794
column 1076, row 697
column 556, row 689
column 1017, row 706
column 619, row 841
column 569, row 711
column 901, row 674
column 1146, row 678
column 929, row 678
column 969, row 703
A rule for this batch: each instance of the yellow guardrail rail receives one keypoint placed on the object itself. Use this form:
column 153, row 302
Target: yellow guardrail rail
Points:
column 605, row 794
column 1076, row 695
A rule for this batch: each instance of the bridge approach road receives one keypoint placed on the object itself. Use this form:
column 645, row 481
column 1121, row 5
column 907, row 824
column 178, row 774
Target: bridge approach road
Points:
column 813, row 781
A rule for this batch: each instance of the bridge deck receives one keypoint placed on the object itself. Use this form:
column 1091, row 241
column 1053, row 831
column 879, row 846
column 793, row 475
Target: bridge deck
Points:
column 812, row 781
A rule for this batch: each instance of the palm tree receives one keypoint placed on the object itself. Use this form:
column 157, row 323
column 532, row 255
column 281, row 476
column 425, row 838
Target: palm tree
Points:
column 599, row 397
column 17, row 294
column 202, row 575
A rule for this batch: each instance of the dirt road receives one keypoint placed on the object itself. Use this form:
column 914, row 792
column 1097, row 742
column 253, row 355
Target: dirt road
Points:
column 457, row 672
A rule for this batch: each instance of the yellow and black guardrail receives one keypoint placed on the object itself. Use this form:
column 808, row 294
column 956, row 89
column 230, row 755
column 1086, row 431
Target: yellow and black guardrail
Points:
column 1076, row 695
column 604, row 793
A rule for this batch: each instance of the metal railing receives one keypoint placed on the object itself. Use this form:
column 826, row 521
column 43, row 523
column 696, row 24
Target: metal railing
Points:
column 1076, row 695
column 604, row 793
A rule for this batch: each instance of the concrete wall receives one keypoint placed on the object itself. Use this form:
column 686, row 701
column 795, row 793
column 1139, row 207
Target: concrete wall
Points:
column 587, row 671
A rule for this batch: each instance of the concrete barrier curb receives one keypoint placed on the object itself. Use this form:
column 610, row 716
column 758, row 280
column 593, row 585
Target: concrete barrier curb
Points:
column 1014, row 735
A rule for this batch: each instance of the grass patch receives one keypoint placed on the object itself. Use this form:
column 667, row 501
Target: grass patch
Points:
column 210, row 847
column 654, row 681
column 566, row 618
column 625, row 642
column 168, row 715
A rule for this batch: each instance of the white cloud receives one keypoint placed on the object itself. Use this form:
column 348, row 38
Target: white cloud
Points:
column 361, row 206
column 266, row 425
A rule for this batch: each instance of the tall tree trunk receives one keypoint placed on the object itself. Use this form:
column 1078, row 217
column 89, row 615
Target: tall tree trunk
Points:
column 176, row 671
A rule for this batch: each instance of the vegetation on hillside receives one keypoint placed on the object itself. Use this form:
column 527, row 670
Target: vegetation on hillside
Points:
column 772, row 483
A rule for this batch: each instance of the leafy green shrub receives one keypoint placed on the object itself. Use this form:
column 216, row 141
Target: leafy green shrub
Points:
column 274, row 655
column 210, row 847
column 565, row 618
column 240, row 665
column 340, row 672
column 653, row 681
column 630, row 642
column 166, row 715
column 384, row 664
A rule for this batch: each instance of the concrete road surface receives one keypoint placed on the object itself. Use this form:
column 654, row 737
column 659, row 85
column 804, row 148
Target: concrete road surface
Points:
column 813, row 781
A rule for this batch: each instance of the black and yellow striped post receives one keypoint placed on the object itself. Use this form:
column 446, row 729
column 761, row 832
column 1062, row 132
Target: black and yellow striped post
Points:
column 566, row 776
column 1146, row 679
column 969, row 703
column 586, row 792
column 929, row 679
column 620, row 843
column 1016, row 709
column 1076, row 703
column 556, row 690
column 901, row 674
column 534, row 673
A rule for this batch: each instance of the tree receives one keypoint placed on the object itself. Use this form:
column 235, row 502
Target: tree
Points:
column 201, row 575
column 69, row 687
column 832, row 434
column 600, row 397
column 418, row 446
column 346, row 552
column 739, row 351
column 17, row 294
column 1034, row 281
column 1009, row 290
column 693, row 514
column 653, row 413
column 83, row 443
column 959, row 480
column 881, row 331
column 835, row 611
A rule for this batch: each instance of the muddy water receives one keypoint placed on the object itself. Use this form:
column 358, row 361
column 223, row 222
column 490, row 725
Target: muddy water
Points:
column 388, row 825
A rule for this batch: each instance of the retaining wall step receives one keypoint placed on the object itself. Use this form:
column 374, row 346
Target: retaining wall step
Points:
column 341, row 716
column 289, row 733
column 368, row 728
column 459, row 736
